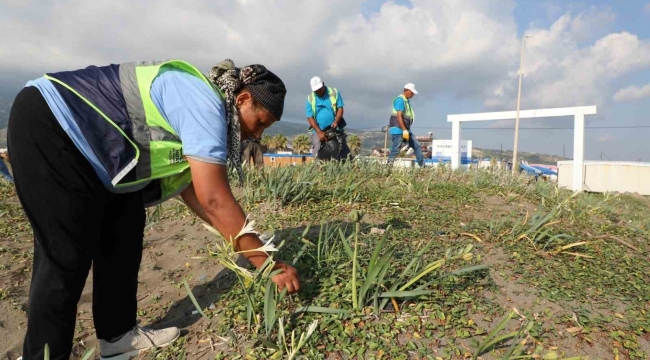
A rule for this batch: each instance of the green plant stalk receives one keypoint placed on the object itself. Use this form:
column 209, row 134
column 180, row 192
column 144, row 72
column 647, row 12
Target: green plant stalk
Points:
column 493, row 334
column 332, row 250
column 88, row 354
column 399, row 294
column 250, row 307
column 372, row 276
column 193, row 299
column 281, row 335
column 320, row 310
column 269, row 306
column 354, row 268
column 487, row 347
column 320, row 243
column 379, row 285
column 433, row 266
column 415, row 261
column 346, row 244
column 516, row 348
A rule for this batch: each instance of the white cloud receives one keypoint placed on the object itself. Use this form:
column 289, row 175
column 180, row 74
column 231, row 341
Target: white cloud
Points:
column 607, row 137
column 445, row 45
column 589, row 24
column 559, row 72
column 469, row 49
column 632, row 93
column 75, row 33
column 553, row 10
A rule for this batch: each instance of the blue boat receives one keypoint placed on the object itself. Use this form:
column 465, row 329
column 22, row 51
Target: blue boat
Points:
column 545, row 171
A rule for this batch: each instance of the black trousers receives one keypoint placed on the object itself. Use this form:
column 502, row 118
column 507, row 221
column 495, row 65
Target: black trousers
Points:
column 77, row 223
column 253, row 150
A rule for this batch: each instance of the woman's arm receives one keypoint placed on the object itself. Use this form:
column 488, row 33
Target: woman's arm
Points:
column 210, row 198
column 189, row 196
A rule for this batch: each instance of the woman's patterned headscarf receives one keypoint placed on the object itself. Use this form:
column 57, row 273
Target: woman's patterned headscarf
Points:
column 266, row 88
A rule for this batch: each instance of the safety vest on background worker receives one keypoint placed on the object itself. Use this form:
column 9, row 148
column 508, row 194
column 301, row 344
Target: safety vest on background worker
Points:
column 112, row 107
column 333, row 94
column 407, row 115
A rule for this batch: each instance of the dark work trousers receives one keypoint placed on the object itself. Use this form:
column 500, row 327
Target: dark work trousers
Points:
column 77, row 223
column 254, row 150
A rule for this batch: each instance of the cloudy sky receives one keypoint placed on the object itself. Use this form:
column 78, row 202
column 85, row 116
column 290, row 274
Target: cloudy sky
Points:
column 462, row 55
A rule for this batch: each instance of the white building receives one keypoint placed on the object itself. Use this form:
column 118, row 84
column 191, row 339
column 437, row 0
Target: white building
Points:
column 442, row 151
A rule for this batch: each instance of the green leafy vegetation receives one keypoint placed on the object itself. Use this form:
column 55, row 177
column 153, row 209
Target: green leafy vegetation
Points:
column 419, row 264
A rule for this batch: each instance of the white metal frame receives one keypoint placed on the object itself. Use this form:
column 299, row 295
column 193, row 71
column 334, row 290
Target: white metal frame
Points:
column 578, row 114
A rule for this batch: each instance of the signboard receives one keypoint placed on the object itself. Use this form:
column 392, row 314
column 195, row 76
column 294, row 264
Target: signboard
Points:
column 441, row 151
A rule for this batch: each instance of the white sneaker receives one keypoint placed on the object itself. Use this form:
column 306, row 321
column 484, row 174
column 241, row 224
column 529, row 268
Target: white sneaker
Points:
column 136, row 341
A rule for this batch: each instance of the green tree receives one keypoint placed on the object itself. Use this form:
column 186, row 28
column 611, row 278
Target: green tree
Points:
column 354, row 143
column 301, row 144
column 266, row 140
column 279, row 142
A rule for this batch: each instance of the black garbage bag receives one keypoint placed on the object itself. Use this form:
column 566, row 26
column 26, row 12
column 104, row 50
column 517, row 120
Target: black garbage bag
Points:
column 329, row 149
column 335, row 147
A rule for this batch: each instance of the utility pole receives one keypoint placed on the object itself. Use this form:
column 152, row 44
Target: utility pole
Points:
column 521, row 74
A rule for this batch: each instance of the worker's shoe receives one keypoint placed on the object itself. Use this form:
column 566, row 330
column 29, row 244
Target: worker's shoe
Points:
column 136, row 341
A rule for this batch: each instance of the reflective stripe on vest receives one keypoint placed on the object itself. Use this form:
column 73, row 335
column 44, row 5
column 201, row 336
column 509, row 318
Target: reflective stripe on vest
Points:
column 408, row 115
column 333, row 93
column 151, row 145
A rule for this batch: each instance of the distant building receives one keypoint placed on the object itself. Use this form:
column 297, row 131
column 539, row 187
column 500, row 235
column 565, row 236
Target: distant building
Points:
column 441, row 151
column 285, row 158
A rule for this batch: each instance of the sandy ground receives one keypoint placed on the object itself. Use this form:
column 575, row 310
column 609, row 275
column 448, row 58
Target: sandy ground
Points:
column 162, row 299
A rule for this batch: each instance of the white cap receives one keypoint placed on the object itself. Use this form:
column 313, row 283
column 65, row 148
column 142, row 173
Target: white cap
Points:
column 411, row 87
column 316, row 83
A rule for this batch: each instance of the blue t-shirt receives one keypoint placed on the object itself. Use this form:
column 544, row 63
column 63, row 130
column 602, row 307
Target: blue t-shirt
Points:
column 194, row 110
column 324, row 113
column 399, row 105
column 189, row 105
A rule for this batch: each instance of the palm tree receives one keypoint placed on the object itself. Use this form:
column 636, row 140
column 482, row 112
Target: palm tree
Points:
column 301, row 144
column 266, row 142
column 279, row 142
column 354, row 143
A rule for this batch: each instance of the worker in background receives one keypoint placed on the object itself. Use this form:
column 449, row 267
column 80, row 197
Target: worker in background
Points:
column 4, row 168
column 91, row 148
column 324, row 110
column 254, row 150
column 401, row 120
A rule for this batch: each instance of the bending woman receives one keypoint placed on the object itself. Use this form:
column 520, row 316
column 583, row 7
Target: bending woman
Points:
column 92, row 148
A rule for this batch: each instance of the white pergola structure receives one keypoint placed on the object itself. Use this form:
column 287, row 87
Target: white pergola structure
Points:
column 578, row 114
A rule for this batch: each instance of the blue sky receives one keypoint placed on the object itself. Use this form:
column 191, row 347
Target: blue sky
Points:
column 463, row 56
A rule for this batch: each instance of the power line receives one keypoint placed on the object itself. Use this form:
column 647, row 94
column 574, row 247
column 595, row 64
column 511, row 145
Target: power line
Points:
column 369, row 129
column 557, row 128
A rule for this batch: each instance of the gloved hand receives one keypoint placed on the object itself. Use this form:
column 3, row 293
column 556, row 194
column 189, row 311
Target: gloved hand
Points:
column 406, row 135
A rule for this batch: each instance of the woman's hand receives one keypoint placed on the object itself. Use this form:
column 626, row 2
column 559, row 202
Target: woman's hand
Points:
column 210, row 198
column 287, row 279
